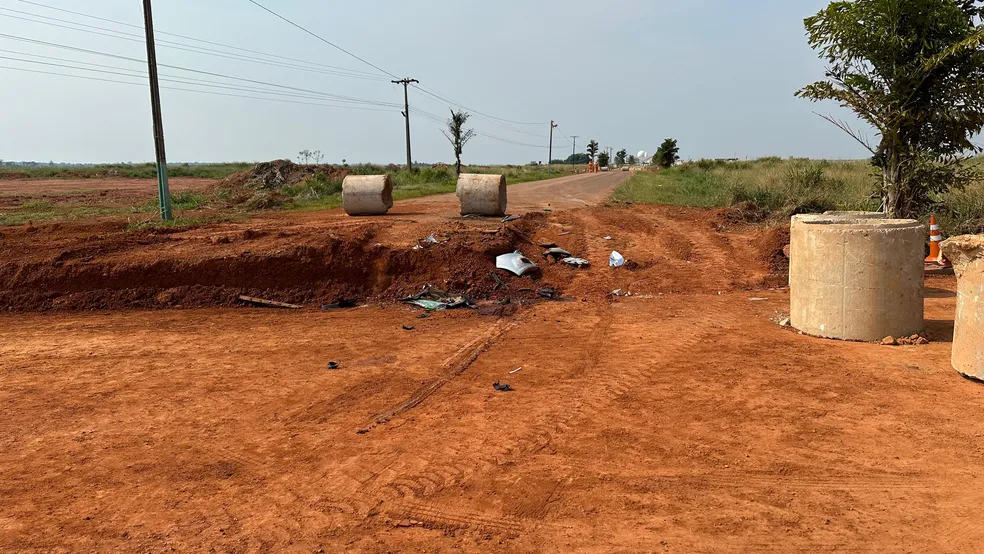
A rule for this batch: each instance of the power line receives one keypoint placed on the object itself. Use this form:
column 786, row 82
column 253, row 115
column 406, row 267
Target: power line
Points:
column 203, row 41
column 324, row 40
column 192, row 90
column 164, row 77
column 430, row 92
column 421, row 88
column 133, row 37
column 210, row 73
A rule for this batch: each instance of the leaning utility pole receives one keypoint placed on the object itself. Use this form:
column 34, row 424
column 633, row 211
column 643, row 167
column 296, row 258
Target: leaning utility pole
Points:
column 163, row 192
column 550, row 149
column 573, row 152
column 406, row 115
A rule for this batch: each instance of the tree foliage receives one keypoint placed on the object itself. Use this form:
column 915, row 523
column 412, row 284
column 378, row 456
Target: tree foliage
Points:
column 631, row 159
column 457, row 135
column 620, row 157
column 578, row 159
column 603, row 159
column 914, row 71
column 592, row 149
column 667, row 154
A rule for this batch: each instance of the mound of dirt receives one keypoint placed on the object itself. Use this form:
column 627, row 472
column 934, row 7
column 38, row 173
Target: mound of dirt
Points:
column 259, row 188
column 278, row 174
column 770, row 248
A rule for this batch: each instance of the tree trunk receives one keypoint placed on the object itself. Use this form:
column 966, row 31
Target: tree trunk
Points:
column 457, row 165
column 891, row 184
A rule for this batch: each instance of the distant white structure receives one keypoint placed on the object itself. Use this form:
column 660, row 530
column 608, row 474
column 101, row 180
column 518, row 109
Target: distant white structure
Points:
column 642, row 157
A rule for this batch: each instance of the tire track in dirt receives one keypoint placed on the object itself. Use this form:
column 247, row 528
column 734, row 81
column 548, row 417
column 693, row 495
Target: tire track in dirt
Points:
column 453, row 366
column 591, row 390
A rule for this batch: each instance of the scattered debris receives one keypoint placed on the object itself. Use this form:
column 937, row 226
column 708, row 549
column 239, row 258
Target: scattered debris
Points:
column 547, row 210
column 509, row 218
column 268, row 303
column 577, row 262
column 502, row 388
column 889, row 341
column 423, row 316
column 517, row 370
column 432, row 299
column 432, row 239
column 784, row 322
column 556, row 253
column 548, row 245
column 341, row 303
column 913, row 340
column 334, row 365
column 608, row 238
column 617, row 292
column 757, row 299
column 616, row 259
column 563, row 233
column 499, row 283
column 408, row 327
column 547, row 293
column 417, row 247
column 515, row 263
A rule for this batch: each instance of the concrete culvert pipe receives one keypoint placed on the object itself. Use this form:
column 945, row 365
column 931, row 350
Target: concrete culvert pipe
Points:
column 856, row 279
column 482, row 194
column 967, row 255
column 367, row 194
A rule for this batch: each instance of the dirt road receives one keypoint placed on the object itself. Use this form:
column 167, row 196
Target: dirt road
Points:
column 679, row 419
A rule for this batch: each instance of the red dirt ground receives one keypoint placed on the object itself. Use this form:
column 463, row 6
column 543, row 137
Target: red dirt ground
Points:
column 679, row 419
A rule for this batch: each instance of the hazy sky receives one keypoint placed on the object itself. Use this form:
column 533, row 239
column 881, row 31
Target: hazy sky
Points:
column 718, row 75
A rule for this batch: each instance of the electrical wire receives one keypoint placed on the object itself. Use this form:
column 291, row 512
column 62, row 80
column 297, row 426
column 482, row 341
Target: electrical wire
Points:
column 162, row 77
column 436, row 95
column 324, row 40
column 209, row 73
column 196, row 91
column 133, row 37
column 423, row 89
column 203, row 41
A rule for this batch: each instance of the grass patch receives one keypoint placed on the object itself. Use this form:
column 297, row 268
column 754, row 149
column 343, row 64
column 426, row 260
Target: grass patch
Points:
column 127, row 171
column 787, row 187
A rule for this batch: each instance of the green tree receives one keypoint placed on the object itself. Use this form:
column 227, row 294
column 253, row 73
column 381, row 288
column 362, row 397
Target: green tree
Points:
column 667, row 154
column 914, row 71
column 603, row 159
column 592, row 149
column 620, row 157
column 632, row 159
column 458, row 136
column 578, row 159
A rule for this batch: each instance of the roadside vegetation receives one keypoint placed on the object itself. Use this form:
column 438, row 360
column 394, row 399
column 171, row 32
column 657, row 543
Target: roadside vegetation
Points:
column 782, row 188
column 319, row 191
column 121, row 171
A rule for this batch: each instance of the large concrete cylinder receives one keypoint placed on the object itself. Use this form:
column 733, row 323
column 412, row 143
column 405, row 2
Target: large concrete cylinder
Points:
column 856, row 279
column 967, row 255
column 482, row 194
column 367, row 194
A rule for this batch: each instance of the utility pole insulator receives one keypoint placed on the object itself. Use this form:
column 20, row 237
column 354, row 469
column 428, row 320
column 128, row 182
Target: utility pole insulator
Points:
column 406, row 115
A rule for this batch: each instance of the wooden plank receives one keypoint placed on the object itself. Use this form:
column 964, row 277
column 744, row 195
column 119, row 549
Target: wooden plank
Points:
column 269, row 303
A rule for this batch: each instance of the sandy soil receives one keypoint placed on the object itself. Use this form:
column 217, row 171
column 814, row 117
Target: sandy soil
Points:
column 680, row 419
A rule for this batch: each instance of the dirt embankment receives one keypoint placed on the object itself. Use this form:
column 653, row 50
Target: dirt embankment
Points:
column 79, row 267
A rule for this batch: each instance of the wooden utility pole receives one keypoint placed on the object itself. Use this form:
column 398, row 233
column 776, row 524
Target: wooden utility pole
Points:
column 406, row 115
column 573, row 152
column 550, row 149
column 163, row 191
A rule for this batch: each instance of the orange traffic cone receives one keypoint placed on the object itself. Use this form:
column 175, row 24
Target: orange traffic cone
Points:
column 935, row 238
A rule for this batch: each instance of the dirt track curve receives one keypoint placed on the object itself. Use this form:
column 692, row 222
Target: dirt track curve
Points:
column 678, row 419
